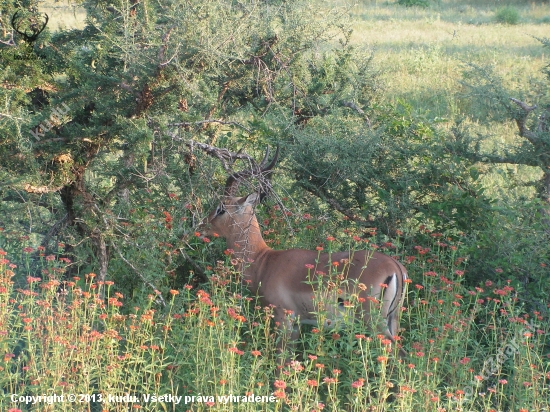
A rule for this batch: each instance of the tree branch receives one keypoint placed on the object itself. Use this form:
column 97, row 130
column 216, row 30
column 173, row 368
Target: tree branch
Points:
column 40, row 189
column 54, row 230
column 198, row 270
column 222, row 154
column 62, row 139
column 320, row 193
column 8, row 115
column 128, row 88
column 162, row 50
column 353, row 106
column 102, row 256
column 491, row 158
column 203, row 122
column 520, row 121
column 10, row 42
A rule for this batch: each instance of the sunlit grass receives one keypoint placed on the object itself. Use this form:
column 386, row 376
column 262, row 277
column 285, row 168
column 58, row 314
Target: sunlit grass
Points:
column 63, row 15
column 422, row 54
column 421, row 51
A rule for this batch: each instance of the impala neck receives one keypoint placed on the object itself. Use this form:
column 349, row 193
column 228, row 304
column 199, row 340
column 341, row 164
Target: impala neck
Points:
column 247, row 242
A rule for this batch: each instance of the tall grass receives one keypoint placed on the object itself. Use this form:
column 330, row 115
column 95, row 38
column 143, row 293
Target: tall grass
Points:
column 422, row 51
column 468, row 348
column 63, row 15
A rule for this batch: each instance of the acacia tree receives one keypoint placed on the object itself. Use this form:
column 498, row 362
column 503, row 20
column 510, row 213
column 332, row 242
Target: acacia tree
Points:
column 102, row 132
column 518, row 238
column 105, row 142
column 532, row 120
column 390, row 173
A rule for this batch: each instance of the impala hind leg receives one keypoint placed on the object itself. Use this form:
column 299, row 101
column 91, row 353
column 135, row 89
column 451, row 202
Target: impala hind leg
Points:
column 391, row 331
column 393, row 297
column 383, row 320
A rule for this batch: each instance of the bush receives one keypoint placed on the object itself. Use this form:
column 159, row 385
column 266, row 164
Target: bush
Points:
column 411, row 3
column 507, row 15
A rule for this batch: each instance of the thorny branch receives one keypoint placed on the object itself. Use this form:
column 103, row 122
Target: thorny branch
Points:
column 198, row 270
column 320, row 193
column 54, row 230
column 10, row 41
column 542, row 147
column 203, row 122
column 162, row 50
column 521, row 119
column 353, row 106
column 9, row 115
column 225, row 156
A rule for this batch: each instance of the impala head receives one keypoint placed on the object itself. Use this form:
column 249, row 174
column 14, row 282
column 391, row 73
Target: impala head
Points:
column 234, row 214
column 230, row 214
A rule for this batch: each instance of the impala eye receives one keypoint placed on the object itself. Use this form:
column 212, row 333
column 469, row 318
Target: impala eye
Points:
column 220, row 210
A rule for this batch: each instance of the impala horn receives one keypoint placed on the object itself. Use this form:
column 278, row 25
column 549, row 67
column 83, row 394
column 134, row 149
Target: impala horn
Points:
column 262, row 171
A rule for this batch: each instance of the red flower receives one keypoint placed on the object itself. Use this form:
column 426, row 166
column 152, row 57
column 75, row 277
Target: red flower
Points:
column 358, row 383
column 279, row 394
column 279, row 384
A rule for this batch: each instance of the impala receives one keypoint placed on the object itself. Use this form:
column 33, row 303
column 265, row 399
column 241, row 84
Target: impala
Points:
column 286, row 279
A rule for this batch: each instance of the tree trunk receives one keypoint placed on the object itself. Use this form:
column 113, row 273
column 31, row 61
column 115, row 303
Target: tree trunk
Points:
column 102, row 256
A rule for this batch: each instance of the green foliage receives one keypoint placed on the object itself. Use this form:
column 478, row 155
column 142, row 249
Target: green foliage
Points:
column 516, row 242
column 390, row 175
column 495, row 101
column 219, row 71
column 414, row 3
column 546, row 43
column 506, row 253
column 507, row 15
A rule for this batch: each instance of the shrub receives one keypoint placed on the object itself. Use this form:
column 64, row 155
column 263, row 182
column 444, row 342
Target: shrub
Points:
column 507, row 15
column 412, row 3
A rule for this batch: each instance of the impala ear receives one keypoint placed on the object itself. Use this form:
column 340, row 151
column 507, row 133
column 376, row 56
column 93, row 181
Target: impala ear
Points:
column 253, row 199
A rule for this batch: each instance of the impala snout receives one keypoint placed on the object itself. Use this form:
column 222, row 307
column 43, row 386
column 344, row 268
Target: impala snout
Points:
column 204, row 228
